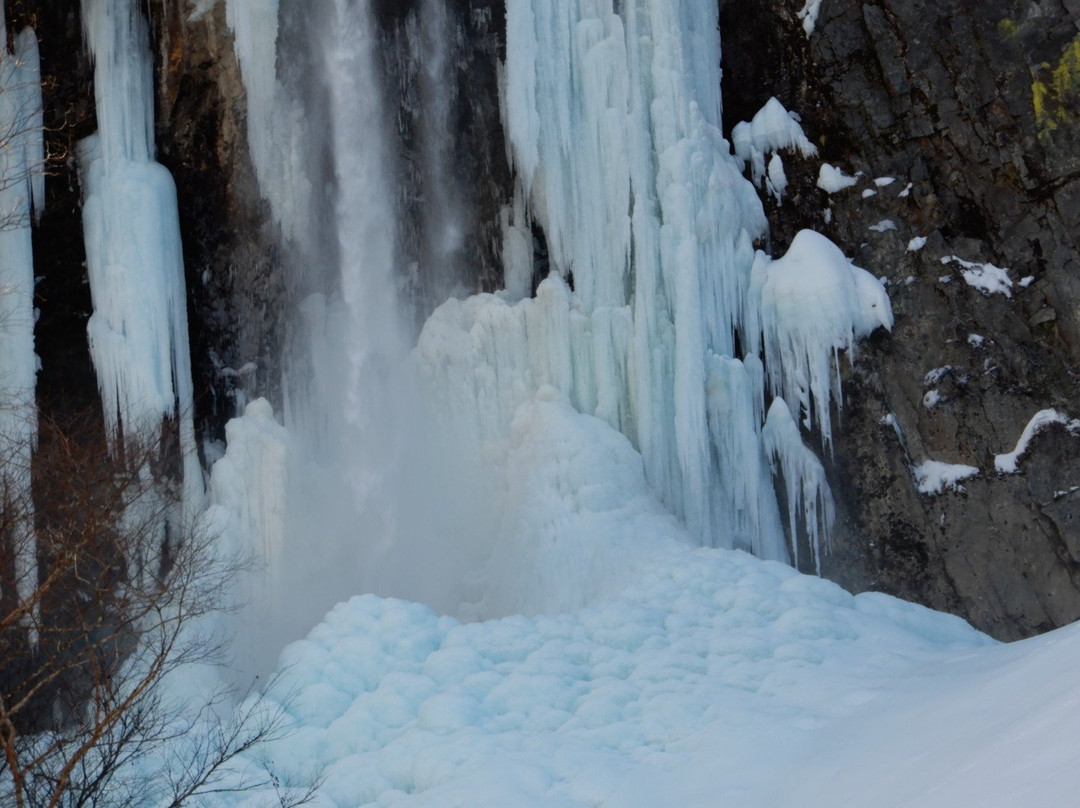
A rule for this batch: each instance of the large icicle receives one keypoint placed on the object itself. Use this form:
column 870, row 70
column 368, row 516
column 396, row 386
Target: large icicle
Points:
column 814, row 303
column 22, row 192
column 138, row 332
column 612, row 120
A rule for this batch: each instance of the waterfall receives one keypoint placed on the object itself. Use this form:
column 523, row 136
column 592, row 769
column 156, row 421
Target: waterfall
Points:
column 476, row 472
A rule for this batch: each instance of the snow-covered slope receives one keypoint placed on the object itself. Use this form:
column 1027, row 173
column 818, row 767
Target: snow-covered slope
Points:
column 654, row 673
column 708, row 678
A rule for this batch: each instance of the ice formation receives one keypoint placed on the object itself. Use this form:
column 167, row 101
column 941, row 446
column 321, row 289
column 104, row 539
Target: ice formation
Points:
column 138, row 332
column 649, row 323
column 22, row 195
column 771, row 130
column 809, row 499
column 709, row 680
column 814, row 303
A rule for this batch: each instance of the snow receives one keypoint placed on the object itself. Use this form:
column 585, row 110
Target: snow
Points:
column 868, row 192
column 1025, row 281
column 22, row 199
column 832, row 180
column 809, row 14
column 884, row 182
column 713, row 678
column 987, row 278
column 976, row 340
column 815, row 303
column 771, row 130
column 1009, row 463
column 884, row 226
column 138, row 331
column 934, row 376
column 935, row 477
column 916, row 243
column 931, row 399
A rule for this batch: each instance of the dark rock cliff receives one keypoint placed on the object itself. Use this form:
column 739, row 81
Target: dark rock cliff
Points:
column 975, row 105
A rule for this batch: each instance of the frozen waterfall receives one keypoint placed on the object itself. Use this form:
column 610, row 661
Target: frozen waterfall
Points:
column 22, row 193
column 138, row 332
column 475, row 471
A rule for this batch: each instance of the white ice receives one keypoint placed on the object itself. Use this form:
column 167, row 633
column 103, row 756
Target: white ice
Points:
column 832, row 180
column 772, row 129
column 814, row 304
column 138, row 332
column 22, row 198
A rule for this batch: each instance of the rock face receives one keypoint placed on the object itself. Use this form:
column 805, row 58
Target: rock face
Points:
column 973, row 109
column 236, row 287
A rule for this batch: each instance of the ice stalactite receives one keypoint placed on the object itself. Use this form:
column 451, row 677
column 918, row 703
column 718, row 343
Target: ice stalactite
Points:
column 138, row 332
column 661, row 321
column 613, row 127
column 22, row 197
column 277, row 131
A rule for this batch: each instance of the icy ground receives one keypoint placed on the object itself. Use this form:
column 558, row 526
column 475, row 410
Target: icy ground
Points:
column 711, row 678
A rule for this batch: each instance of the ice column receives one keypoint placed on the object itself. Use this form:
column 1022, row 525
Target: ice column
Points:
column 22, row 191
column 613, row 124
column 138, row 332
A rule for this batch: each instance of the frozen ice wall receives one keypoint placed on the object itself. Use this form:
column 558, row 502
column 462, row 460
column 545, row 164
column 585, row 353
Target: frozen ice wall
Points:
column 22, row 192
column 660, row 319
column 138, row 332
column 613, row 126
column 467, row 485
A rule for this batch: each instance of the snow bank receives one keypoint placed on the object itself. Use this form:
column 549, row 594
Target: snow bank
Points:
column 935, row 477
column 1009, row 463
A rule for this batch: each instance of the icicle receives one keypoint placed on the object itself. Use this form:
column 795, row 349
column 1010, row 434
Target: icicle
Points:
column 809, row 499
column 22, row 188
column 138, row 332
column 814, row 303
